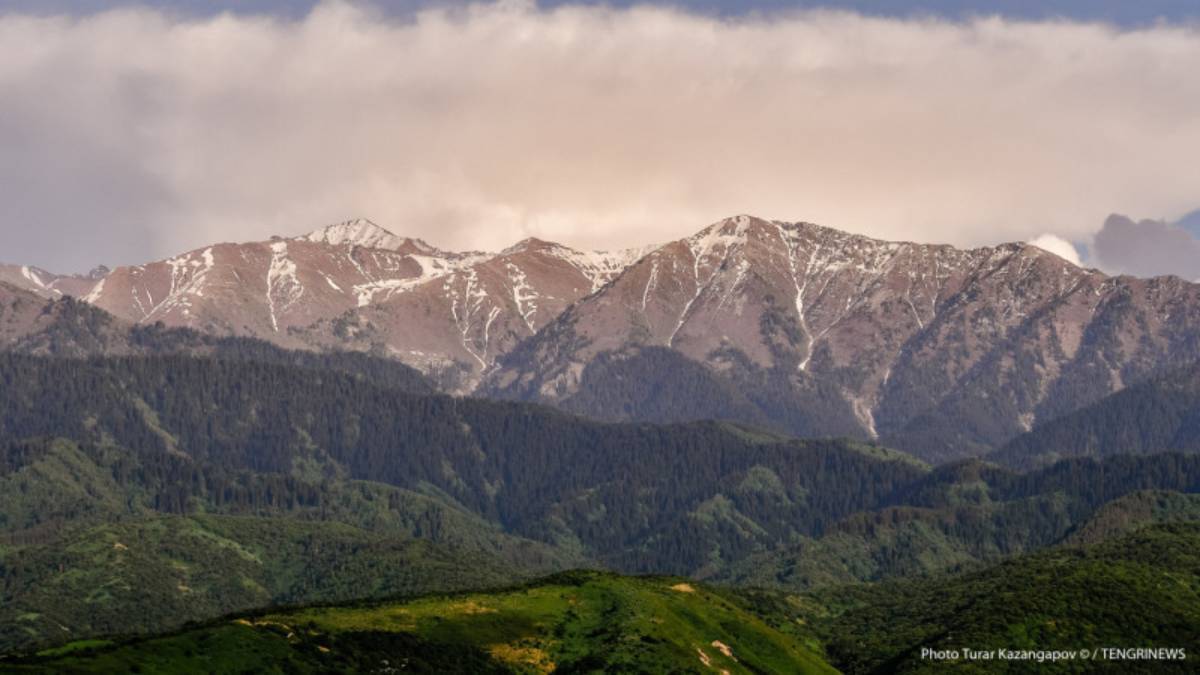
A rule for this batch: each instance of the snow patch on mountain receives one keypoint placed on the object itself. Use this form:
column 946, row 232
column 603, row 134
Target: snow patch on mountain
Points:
column 466, row 307
column 189, row 273
column 362, row 232
column 95, row 292
column 432, row 267
column 283, row 286
column 601, row 267
column 524, row 296
column 715, row 241
column 32, row 275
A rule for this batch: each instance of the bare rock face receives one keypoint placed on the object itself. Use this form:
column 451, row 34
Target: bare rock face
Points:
column 453, row 326
column 944, row 352
column 47, row 284
column 267, row 289
column 20, row 312
column 61, row 326
column 939, row 351
column 355, row 285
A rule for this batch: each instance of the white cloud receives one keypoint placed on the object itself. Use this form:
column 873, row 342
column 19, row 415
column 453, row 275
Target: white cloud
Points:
column 134, row 133
column 1058, row 246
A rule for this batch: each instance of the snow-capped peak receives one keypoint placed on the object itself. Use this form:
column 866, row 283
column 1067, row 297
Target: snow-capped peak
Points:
column 529, row 244
column 362, row 232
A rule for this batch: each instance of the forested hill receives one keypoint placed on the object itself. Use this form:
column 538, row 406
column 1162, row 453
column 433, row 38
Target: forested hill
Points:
column 570, row 623
column 963, row 515
column 686, row 498
column 1139, row 590
column 1160, row 415
column 638, row 497
column 237, row 483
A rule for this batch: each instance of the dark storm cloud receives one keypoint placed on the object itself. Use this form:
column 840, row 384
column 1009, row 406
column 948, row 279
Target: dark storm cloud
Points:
column 1147, row 248
column 1191, row 222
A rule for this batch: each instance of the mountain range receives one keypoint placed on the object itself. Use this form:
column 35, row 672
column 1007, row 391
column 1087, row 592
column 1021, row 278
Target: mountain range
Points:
column 360, row 421
column 805, row 330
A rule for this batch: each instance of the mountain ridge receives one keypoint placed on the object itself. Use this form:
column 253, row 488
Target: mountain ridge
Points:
column 905, row 337
column 808, row 330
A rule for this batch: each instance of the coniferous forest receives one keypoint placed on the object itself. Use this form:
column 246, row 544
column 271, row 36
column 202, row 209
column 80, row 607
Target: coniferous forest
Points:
column 179, row 488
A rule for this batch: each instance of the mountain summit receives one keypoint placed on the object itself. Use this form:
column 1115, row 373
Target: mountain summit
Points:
column 362, row 232
column 356, row 285
column 942, row 351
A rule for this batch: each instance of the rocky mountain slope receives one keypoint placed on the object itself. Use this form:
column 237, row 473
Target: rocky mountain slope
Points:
column 941, row 351
column 357, row 285
column 807, row 330
column 19, row 312
column 454, row 325
column 50, row 285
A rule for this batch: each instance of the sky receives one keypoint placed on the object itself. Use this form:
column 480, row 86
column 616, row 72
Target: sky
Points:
column 1124, row 12
column 134, row 132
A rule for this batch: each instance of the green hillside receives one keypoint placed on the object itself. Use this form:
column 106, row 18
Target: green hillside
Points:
column 51, row 488
column 577, row 622
column 636, row 497
column 1141, row 590
column 156, row 574
column 87, row 549
column 970, row 514
column 1135, row 511
column 140, row 493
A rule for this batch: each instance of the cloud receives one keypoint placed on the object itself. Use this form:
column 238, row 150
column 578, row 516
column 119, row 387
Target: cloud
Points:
column 1058, row 246
column 1147, row 248
column 134, row 134
column 1191, row 222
